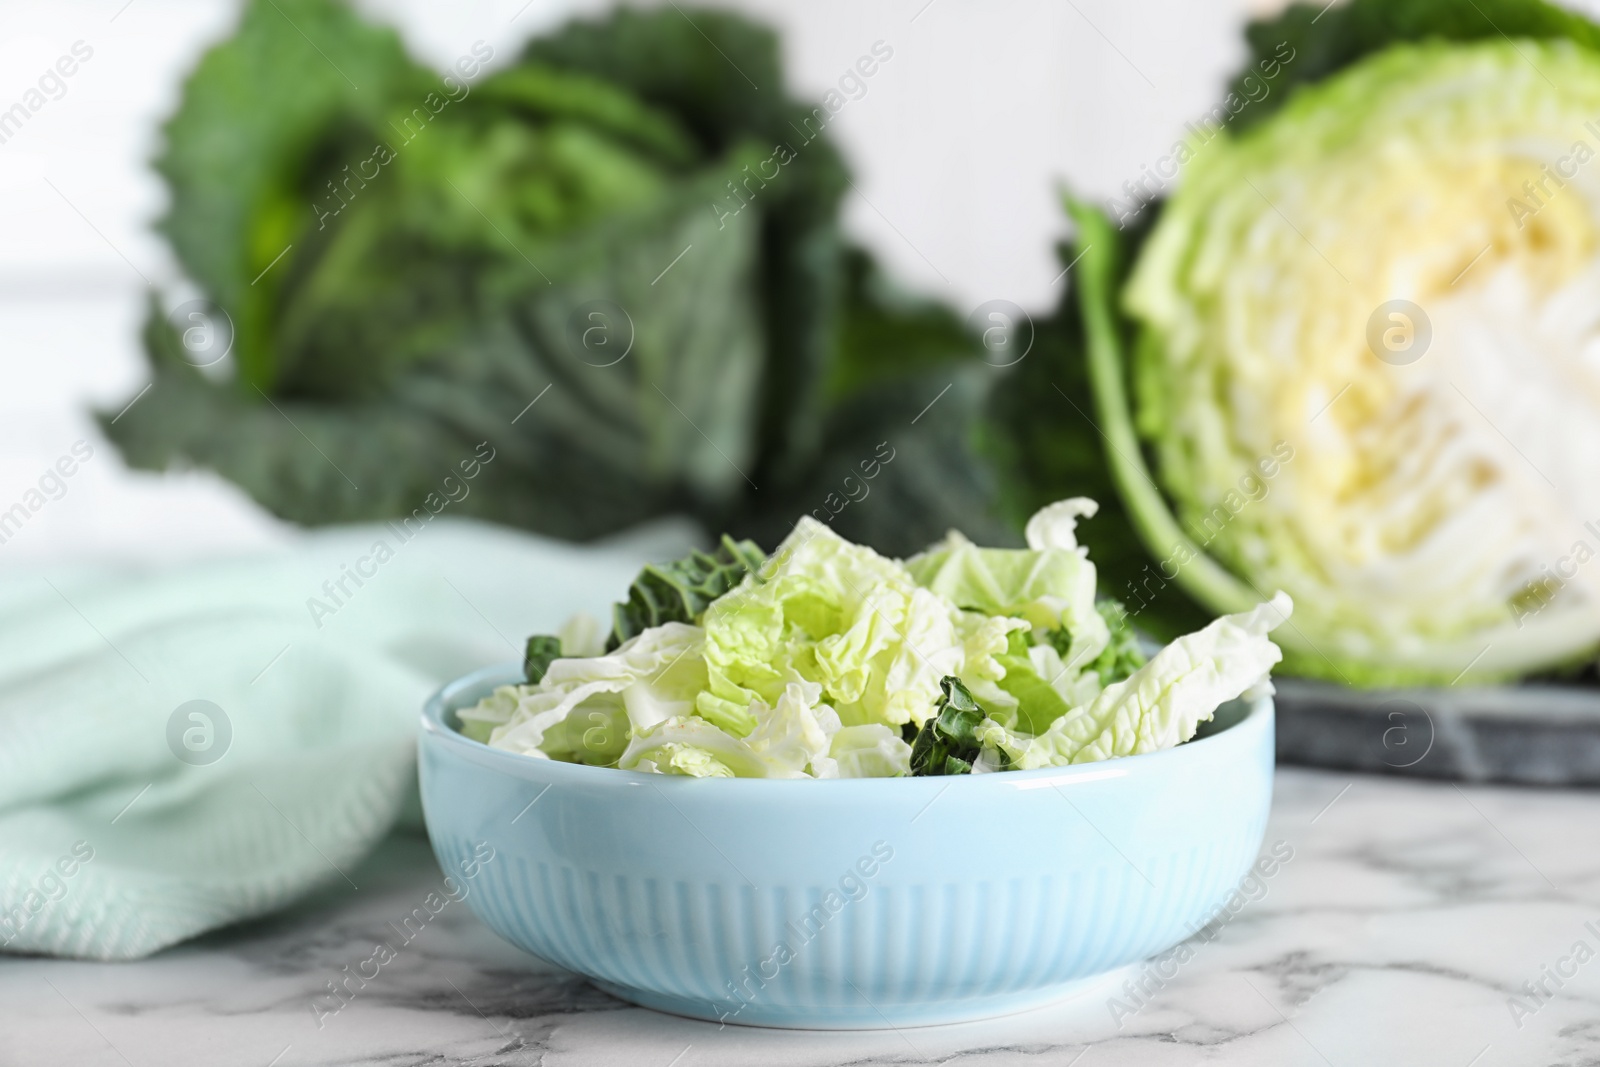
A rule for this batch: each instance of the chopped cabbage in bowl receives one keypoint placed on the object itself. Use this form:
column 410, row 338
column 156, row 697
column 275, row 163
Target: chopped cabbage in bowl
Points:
column 828, row 660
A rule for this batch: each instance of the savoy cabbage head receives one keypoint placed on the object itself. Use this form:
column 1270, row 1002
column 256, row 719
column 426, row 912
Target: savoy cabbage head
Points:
column 629, row 227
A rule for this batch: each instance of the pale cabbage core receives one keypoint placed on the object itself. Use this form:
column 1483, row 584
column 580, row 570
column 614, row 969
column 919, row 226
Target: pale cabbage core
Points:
column 1432, row 516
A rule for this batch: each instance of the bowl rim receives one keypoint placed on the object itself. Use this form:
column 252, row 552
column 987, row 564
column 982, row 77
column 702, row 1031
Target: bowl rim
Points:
column 1242, row 733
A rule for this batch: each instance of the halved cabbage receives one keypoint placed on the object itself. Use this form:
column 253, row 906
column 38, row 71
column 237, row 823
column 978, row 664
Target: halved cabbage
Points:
column 1419, row 476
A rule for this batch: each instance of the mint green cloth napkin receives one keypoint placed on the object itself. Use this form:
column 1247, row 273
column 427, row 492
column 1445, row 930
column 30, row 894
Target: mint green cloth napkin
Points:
column 113, row 847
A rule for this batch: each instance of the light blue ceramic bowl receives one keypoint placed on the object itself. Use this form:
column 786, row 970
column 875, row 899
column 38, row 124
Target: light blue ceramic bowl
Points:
column 846, row 904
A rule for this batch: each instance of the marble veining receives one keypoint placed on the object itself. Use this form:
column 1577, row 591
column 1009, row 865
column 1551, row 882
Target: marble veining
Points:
column 1415, row 923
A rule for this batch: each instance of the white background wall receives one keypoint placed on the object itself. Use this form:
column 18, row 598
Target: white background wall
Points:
column 958, row 149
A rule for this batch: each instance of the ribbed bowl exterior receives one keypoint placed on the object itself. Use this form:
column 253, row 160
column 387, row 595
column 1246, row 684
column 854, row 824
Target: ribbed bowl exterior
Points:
column 852, row 903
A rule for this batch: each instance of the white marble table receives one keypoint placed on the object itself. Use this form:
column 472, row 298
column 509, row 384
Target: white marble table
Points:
column 1409, row 917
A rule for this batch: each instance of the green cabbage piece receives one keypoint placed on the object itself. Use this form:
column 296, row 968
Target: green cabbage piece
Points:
column 693, row 747
column 1071, row 649
column 579, row 636
column 681, row 591
column 856, row 623
column 596, row 733
column 1046, row 682
column 1042, row 685
column 1122, row 654
column 791, row 740
column 871, row 750
column 540, row 651
column 1161, row 704
column 649, row 679
column 950, row 741
column 1051, row 583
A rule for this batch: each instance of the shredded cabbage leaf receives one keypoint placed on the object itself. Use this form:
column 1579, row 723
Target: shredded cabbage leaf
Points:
column 1162, row 703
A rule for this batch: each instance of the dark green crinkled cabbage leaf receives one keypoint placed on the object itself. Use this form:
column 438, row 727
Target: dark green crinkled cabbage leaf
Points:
column 947, row 742
column 680, row 591
column 541, row 651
